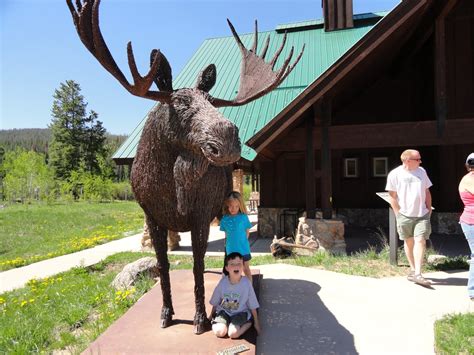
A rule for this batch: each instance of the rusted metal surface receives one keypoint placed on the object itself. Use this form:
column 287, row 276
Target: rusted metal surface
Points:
column 182, row 168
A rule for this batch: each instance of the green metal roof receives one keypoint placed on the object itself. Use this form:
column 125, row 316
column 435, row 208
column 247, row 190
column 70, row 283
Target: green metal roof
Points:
column 322, row 50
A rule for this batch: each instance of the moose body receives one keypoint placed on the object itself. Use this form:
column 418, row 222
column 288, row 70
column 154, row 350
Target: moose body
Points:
column 172, row 178
column 182, row 169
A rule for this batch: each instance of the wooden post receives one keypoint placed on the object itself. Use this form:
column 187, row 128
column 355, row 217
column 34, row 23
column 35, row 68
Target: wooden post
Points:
column 392, row 229
column 309, row 171
column 238, row 180
column 393, row 237
column 326, row 169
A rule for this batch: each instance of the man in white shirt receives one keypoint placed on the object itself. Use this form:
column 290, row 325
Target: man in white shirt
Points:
column 408, row 186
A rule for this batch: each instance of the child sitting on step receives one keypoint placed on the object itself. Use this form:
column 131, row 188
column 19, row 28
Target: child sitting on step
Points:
column 233, row 301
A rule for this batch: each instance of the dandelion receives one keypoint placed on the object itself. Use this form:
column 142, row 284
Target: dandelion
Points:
column 23, row 303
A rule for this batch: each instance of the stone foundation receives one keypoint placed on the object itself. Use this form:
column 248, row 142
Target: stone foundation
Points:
column 269, row 221
column 446, row 223
column 441, row 222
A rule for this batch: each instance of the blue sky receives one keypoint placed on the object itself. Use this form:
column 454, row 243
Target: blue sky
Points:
column 40, row 48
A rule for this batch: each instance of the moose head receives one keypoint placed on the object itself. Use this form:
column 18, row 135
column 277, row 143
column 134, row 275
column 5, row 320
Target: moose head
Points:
column 181, row 171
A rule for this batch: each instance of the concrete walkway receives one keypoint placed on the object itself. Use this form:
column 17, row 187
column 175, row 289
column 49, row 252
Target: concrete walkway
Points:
column 16, row 278
column 310, row 311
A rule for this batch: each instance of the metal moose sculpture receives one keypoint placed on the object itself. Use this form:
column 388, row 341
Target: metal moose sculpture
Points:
column 183, row 165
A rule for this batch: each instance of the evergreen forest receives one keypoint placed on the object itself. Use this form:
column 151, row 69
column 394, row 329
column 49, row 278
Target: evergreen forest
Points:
column 71, row 159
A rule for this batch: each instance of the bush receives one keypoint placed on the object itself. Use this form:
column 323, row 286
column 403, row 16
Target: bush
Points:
column 122, row 191
column 85, row 186
column 26, row 176
column 247, row 189
column 97, row 188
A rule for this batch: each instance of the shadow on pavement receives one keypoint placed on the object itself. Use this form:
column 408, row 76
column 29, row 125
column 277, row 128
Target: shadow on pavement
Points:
column 450, row 281
column 218, row 245
column 360, row 239
column 296, row 321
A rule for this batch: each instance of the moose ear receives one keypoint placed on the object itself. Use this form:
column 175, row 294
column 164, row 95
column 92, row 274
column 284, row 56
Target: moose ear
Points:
column 207, row 78
column 163, row 78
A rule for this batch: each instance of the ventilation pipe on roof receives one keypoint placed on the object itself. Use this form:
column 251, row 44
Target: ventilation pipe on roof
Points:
column 337, row 14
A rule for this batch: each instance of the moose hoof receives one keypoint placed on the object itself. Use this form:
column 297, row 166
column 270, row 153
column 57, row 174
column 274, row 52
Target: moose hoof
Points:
column 166, row 317
column 201, row 328
column 201, row 324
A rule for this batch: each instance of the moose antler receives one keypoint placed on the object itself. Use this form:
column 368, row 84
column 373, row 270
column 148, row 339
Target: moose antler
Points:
column 257, row 77
column 86, row 20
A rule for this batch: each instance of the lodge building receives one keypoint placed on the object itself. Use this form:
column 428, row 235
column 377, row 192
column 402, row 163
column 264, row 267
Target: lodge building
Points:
column 367, row 87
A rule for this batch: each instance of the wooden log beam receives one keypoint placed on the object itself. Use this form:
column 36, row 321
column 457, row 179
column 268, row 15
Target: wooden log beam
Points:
column 422, row 133
column 326, row 170
column 291, row 245
column 310, row 188
column 441, row 68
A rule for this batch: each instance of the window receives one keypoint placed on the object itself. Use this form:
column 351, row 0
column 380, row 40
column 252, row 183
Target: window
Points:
column 351, row 167
column 380, row 166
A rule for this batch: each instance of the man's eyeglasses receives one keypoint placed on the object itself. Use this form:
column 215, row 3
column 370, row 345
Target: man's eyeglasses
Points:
column 418, row 160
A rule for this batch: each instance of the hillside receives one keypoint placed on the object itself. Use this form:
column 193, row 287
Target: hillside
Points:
column 37, row 139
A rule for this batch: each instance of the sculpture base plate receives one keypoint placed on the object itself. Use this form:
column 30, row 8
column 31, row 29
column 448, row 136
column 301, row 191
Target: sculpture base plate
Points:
column 138, row 330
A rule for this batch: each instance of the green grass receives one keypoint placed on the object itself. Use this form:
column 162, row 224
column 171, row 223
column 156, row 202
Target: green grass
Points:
column 368, row 263
column 30, row 233
column 454, row 334
column 66, row 311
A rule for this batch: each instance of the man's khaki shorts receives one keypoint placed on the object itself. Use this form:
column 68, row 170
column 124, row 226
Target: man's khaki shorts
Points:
column 418, row 227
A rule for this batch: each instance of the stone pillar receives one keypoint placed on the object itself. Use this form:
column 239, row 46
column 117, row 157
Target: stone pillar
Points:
column 238, row 181
column 173, row 239
column 328, row 233
column 146, row 238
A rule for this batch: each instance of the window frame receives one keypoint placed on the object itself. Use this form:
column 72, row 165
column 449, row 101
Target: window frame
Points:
column 356, row 168
column 374, row 165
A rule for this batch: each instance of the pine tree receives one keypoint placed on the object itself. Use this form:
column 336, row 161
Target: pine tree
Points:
column 77, row 139
column 93, row 144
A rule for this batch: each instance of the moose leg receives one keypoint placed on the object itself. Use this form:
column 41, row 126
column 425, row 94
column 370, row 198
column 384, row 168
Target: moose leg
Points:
column 199, row 236
column 159, row 237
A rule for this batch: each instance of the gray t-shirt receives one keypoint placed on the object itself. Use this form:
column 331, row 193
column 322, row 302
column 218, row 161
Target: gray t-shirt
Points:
column 236, row 298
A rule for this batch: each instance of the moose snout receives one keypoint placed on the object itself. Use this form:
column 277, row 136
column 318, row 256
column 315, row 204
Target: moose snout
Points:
column 222, row 146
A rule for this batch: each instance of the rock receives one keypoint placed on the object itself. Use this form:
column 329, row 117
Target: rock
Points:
column 131, row 272
column 436, row 259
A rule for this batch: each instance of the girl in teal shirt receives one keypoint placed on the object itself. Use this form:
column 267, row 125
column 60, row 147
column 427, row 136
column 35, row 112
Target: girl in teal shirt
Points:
column 235, row 223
